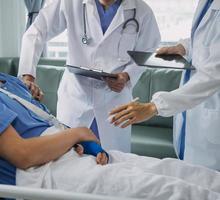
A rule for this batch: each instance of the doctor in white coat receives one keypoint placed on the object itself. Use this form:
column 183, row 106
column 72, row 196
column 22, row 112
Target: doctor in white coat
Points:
column 82, row 99
column 197, row 131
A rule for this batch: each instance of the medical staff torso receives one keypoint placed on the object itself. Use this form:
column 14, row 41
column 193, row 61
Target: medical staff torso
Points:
column 80, row 99
column 202, row 141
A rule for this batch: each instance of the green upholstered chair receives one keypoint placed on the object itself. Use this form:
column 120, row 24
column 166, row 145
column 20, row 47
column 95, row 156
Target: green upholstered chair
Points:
column 9, row 65
column 48, row 79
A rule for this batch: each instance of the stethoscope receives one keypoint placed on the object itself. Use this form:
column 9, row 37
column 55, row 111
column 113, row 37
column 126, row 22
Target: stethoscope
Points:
column 86, row 39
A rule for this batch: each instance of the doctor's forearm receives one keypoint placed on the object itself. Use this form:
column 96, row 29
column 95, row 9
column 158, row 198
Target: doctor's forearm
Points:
column 198, row 89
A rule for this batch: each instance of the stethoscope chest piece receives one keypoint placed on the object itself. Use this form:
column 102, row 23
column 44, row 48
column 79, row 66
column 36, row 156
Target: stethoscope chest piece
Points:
column 85, row 40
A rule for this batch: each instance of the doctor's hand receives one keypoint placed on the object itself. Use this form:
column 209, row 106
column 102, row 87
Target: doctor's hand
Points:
column 33, row 87
column 118, row 84
column 178, row 49
column 131, row 113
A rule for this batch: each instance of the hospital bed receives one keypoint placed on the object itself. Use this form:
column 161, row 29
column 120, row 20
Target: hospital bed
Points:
column 152, row 138
column 16, row 192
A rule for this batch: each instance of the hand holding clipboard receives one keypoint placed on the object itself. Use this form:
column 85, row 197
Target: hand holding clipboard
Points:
column 91, row 73
column 154, row 60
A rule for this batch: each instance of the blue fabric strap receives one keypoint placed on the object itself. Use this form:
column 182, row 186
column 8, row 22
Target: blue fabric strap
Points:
column 186, row 79
column 183, row 128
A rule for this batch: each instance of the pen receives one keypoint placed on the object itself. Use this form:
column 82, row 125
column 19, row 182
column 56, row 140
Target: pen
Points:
column 109, row 119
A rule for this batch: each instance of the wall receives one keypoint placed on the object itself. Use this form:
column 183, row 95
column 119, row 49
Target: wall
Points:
column 12, row 26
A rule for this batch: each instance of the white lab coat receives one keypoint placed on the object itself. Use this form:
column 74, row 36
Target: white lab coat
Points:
column 201, row 95
column 81, row 99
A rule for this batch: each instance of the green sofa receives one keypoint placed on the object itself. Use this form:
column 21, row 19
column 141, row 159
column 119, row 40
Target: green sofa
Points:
column 151, row 138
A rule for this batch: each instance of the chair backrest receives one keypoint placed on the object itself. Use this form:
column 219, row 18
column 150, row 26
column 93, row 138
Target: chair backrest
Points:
column 48, row 79
column 9, row 65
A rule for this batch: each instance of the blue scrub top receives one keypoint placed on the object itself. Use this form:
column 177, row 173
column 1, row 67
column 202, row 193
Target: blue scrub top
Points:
column 25, row 122
column 106, row 16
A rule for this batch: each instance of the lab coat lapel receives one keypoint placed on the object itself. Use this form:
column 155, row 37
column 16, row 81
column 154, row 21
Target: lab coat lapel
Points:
column 205, row 18
column 93, row 21
column 198, row 11
column 120, row 16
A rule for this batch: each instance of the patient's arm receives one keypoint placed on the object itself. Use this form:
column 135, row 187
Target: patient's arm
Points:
column 25, row 153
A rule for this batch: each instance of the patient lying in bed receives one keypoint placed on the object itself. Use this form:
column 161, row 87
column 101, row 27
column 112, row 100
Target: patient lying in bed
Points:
column 36, row 154
column 20, row 128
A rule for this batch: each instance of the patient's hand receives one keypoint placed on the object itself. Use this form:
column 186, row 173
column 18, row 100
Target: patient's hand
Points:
column 79, row 149
column 101, row 158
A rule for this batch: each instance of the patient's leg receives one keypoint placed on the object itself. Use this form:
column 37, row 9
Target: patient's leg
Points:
column 121, row 178
column 198, row 175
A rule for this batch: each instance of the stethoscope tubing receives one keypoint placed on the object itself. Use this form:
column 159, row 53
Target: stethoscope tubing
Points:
column 85, row 39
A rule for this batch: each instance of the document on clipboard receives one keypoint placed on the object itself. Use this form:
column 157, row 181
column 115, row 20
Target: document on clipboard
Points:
column 91, row 73
column 153, row 60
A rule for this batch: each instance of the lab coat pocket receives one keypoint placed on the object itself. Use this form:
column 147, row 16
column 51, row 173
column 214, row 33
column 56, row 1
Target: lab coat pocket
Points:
column 211, row 118
column 126, row 43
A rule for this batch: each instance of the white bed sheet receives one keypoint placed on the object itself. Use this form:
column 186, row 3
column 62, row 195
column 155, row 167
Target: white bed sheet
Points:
column 127, row 175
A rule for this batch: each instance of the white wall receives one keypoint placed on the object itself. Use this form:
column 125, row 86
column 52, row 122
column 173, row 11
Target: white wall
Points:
column 12, row 27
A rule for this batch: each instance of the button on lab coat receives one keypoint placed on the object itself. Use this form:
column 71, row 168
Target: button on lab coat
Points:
column 81, row 99
column 201, row 95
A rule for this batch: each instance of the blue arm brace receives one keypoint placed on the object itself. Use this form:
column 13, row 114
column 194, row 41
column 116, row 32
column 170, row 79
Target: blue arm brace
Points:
column 92, row 148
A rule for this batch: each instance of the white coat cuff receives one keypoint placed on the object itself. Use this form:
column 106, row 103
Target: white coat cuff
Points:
column 22, row 72
column 186, row 45
column 161, row 105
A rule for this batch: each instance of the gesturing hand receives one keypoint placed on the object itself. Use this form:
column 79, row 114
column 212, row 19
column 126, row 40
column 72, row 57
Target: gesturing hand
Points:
column 118, row 84
column 131, row 113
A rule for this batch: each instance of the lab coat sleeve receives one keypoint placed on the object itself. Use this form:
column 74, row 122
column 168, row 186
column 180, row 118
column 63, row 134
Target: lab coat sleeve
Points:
column 187, row 45
column 203, row 84
column 49, row 23
column 148, row 40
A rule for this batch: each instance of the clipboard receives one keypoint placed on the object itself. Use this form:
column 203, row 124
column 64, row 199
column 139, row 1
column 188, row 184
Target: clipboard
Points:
column 149, row 59
column 91, row 73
